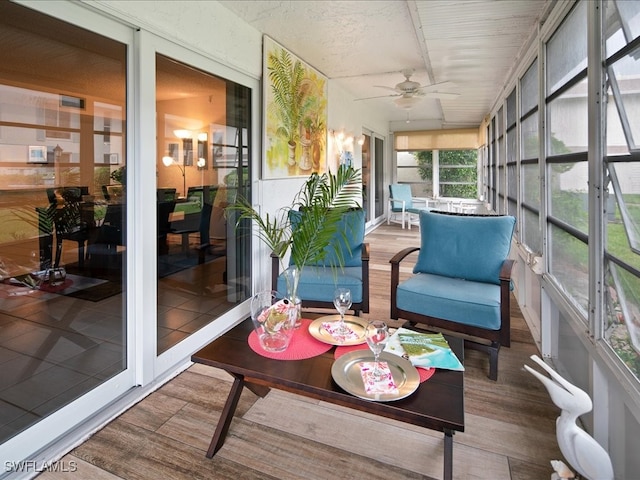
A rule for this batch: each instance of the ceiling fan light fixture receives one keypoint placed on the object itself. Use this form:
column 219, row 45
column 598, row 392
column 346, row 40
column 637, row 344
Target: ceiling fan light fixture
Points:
column 407, row 102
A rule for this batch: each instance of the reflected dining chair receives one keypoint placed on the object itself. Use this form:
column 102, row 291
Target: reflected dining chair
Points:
column 69, row 220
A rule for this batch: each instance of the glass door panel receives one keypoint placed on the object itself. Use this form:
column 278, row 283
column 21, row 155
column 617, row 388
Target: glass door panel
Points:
column 203, row 133
column 366, row 176
column 379, row 177
column 62, row 244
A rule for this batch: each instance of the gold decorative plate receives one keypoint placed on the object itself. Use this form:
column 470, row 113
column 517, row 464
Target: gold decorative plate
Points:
column 346, row 373
column 356, row 324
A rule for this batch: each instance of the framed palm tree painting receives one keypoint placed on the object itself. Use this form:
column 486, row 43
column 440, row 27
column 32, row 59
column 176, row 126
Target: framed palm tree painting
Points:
column 295, row 115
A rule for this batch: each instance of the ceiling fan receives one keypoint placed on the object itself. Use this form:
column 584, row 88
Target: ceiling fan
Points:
column 408, row 93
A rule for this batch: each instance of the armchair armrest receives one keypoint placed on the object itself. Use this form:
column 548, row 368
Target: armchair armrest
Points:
column 366, row 252
column 398, row 257
column 505, row 271
column 505, row 301
column 395, row 275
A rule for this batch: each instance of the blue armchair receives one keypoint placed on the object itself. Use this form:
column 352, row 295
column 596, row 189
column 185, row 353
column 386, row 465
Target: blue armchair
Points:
column 403, row 208
column 461, row 280
column 318, row 282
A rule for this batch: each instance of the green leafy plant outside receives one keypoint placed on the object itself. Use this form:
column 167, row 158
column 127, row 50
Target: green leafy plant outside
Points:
column 458, row 171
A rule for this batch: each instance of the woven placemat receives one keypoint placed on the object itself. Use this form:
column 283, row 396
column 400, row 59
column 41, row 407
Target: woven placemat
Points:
column 302, row 345
column 425, row 373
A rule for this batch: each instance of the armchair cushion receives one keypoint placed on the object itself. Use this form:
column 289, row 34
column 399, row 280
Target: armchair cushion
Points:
column 470, row 303
column 451, row 246
column 319, row 283
column 349, row 239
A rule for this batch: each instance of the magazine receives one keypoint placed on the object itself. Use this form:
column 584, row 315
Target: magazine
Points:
column 423, row 349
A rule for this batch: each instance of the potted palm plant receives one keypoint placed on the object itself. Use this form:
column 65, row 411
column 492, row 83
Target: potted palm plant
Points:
column 305, row 228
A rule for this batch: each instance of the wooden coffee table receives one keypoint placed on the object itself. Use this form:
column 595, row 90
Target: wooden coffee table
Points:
column 438, row 404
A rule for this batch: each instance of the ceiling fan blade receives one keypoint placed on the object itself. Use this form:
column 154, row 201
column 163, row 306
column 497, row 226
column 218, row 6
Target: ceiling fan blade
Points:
column 441, row 95
column 435, row 86
column 393, row 89
column 379, row 96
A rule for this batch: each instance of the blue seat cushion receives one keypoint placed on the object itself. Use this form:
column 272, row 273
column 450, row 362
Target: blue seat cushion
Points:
column 473, row 248
column 453, row 299
column 319, row 283
column 417, row 210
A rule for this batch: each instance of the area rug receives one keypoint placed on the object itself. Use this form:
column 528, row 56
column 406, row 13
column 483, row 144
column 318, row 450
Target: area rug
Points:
column 98, row 291
column 76, row 286
column 174, row 263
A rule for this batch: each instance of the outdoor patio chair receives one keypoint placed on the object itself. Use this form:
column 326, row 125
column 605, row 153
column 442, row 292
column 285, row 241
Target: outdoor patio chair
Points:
column 403, row 208
column 461, row 280
column 318, row 282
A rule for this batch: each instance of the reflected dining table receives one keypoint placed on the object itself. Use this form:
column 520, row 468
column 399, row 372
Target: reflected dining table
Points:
column 437, row 404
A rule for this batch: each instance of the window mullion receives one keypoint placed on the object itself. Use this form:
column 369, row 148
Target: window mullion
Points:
column 596, row 152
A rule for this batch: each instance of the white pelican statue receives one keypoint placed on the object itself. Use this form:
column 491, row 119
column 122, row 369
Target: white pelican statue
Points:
column 580, row 449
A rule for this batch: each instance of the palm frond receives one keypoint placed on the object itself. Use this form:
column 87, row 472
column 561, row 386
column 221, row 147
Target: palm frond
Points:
column 311, row 223
column 273, row 230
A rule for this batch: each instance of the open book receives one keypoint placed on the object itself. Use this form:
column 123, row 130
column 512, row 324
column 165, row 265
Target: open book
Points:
column 423, row 349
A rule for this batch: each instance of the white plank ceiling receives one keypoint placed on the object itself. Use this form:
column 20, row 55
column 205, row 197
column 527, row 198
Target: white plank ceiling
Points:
column 363, row 45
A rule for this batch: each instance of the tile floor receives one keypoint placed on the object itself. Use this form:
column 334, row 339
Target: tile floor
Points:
column 55, row 347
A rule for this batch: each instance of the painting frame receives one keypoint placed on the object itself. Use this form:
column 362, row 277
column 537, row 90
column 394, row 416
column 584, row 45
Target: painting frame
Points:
column 37, row 154
column 294, row 145
column 225, row 144
column 111, row 158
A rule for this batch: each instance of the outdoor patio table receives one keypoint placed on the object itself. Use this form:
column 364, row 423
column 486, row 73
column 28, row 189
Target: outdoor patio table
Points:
column 437, row 404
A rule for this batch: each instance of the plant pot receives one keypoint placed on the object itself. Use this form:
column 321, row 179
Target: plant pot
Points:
column 292, row 153
column 273, row 320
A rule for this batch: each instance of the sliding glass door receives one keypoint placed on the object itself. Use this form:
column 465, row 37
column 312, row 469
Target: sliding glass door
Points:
column 373, row 175
column 203, row 166
column 63, row 253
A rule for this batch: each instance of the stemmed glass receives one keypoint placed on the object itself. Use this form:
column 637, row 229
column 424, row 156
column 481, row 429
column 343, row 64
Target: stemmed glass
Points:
column 377, row 335
column 342, row 302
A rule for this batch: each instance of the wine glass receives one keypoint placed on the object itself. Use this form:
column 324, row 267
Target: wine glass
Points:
column 377, row 335
column 342, row 302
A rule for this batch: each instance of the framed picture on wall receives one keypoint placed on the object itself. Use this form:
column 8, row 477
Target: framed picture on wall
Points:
column 111, row 158
column 174, row 151
column 224, row 145
column 37, row 154
column 187, row 149
column 295, row 125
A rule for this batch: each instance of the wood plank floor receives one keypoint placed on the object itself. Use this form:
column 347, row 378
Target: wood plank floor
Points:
column 509, row 434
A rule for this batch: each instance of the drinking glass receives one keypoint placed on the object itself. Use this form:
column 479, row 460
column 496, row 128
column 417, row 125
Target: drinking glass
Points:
column 377, row 335
column 342, row 302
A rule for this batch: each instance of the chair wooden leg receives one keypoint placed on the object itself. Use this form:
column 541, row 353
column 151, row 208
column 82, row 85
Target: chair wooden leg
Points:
column 494, row 349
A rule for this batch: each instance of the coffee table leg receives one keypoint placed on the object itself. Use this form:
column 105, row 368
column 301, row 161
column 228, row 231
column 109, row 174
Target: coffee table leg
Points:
column 448, row 454
column 226, row 416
